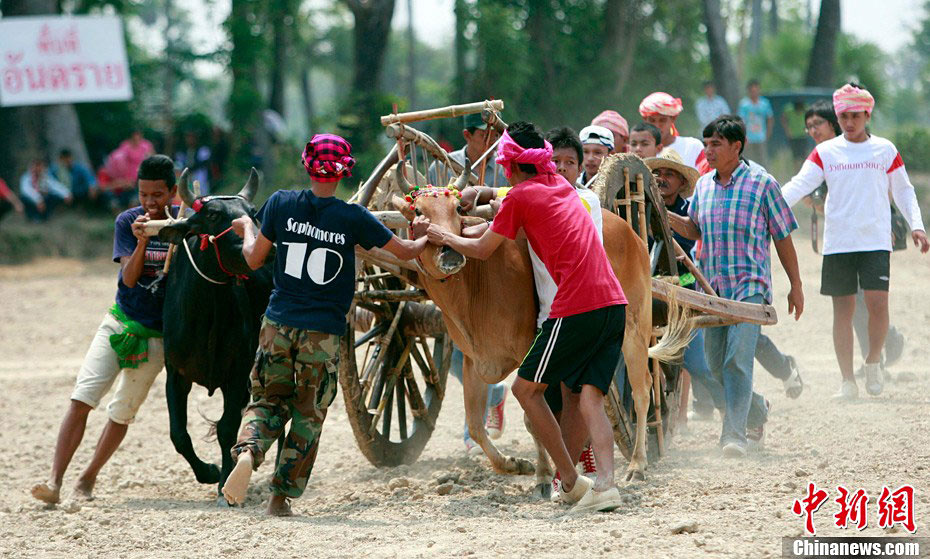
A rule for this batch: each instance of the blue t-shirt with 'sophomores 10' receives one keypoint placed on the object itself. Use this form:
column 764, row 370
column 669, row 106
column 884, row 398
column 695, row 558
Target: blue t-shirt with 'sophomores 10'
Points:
column 314, row 268
column 142, row 303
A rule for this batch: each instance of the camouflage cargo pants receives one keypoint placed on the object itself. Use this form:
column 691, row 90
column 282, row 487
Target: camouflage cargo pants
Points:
column 294, row 378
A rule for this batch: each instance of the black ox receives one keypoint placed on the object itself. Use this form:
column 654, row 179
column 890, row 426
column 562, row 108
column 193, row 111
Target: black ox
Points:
column 212, row 315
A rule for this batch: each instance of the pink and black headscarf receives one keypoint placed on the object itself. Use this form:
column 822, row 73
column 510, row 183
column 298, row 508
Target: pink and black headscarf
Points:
column 328, row 158
column 509, row 151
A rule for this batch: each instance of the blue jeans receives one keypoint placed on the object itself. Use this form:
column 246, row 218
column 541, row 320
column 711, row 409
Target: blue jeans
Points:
column 495, row 391
column 771, row 359
column 730, row 354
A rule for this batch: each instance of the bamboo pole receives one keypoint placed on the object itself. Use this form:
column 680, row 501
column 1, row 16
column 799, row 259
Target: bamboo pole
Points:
column 443, row 112
column 692, row 267
column 494, row 120
column 367, row 190
column 171, row 249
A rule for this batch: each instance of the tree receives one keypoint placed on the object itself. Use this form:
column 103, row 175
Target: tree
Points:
column 34, row 132
column 822, row 65
column 721, row 61
column 245, row 100
column 359, row 122
column 756, row 29
column 622, row 19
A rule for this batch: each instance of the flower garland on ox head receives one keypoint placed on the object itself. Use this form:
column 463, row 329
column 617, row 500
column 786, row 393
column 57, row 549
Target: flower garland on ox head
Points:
column 430, row 191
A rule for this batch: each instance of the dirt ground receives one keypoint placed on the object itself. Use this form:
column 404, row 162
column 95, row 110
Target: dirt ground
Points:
column 149, row 505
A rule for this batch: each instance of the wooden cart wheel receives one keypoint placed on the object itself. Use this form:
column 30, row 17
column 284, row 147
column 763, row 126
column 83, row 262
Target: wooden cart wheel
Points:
column 622, row 415
column 393, row 376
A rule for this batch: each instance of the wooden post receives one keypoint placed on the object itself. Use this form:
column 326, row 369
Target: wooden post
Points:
column 444, row 112
column 367, row 190
column 641, row 198
column 626, row 196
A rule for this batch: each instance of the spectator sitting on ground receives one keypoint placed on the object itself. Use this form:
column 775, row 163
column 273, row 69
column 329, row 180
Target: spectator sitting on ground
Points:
column 77, row 178
column 118, row 190
column 41, row 192
column 9, row 201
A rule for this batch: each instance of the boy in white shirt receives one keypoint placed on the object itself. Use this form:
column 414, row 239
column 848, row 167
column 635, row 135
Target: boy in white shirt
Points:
column 859, row 169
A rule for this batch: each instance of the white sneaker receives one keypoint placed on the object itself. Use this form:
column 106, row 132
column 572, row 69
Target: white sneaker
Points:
column 793, row 384
column 582, row 486
column 874, row 381
column 848, row 391
column 734, row 450
column 600, row 501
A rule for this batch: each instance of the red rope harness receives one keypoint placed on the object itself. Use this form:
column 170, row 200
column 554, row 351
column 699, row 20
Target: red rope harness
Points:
column 206, row 239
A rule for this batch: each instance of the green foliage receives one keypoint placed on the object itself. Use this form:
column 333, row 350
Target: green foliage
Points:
column 913, row 143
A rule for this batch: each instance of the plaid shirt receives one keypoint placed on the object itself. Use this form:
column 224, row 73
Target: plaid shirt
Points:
column 736, row 221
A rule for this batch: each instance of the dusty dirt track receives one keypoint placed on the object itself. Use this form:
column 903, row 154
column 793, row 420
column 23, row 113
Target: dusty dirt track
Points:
column 149, row 505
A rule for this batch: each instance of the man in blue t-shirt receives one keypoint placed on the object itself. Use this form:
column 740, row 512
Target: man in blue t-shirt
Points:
column 128, row 343
column 294, row 378
column 756, row 112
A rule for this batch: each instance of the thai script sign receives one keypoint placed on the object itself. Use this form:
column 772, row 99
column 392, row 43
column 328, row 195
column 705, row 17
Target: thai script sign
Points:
column 45, row 60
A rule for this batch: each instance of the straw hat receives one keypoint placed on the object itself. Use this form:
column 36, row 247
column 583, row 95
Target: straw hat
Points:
column 669, row 159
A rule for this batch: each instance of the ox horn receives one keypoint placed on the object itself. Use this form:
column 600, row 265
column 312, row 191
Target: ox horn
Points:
column 184, row 190
column 251, row 186
column 461, row 182
column 399, row 177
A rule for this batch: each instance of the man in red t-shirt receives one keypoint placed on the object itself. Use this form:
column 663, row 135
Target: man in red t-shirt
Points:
column 579, row 344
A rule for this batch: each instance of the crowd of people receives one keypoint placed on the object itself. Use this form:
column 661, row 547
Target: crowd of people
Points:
column 726, row 211
column 46, row 188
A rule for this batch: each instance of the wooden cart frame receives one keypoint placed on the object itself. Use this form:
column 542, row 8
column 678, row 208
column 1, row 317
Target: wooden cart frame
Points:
column 396, row 354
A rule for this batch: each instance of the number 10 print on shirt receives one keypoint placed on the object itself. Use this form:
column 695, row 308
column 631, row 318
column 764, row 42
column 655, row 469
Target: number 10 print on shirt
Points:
column 323, row 265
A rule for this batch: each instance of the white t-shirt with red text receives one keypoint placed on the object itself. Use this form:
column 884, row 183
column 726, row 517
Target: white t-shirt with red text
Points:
column 564, row 236
column 859, row 176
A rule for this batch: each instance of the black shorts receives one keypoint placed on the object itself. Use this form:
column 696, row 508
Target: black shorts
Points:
column 577, row 350
column 844, row 273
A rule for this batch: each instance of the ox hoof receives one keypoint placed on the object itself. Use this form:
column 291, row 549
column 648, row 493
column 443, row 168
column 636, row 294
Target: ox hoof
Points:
column 635, row 475
column 520, row 466
column 222, row 503
column 209, row 475
column 543, row 491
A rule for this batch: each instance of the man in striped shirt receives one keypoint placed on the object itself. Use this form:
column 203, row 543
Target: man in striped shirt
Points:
column 734, row 212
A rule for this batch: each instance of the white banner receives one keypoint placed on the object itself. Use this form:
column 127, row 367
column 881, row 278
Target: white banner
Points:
column 52, row 59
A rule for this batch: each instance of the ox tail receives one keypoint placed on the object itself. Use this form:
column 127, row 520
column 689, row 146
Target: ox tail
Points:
column 211, row 431
column 678, row 334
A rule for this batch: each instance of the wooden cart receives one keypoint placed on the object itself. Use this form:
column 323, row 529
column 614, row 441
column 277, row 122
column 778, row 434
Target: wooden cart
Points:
column 395, row 356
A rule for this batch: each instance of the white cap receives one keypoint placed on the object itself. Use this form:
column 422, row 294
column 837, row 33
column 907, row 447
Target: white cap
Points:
column 595, row 134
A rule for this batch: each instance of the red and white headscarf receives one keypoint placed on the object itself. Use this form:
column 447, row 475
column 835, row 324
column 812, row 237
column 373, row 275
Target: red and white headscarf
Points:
column 660, row 103
column 612, row 121
column 850, row 98
column 328, row 158
column 509, row 151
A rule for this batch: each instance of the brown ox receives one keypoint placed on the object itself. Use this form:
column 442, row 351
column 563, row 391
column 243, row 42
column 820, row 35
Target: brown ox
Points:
column 489, row 308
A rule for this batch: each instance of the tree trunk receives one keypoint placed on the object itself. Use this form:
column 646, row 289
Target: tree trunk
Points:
column 371, row 32
column 460, row 46
column 721, row 62
column 307, row 92
column 34, row 132
column 279, row 56
column 756, row 29
column 245, row 100
column 539, row 16
column 822, row 64
column 411, row 59
column 773, row 17
column 621, row 21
